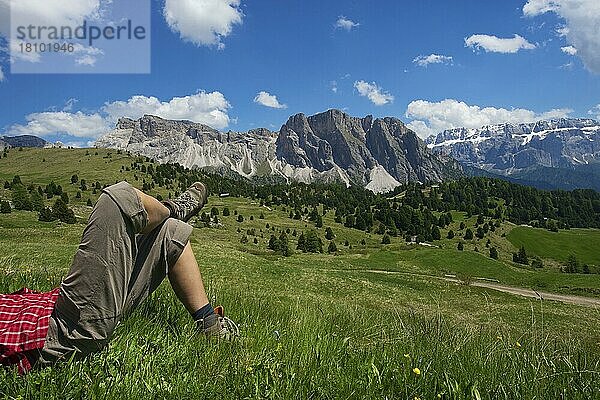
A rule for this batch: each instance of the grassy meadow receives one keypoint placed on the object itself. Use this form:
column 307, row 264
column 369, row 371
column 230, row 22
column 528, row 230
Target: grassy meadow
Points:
column 316, row 325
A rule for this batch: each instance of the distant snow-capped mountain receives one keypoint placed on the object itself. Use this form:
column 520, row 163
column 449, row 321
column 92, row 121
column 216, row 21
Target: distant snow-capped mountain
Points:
column 378, row 154
column 523, row 150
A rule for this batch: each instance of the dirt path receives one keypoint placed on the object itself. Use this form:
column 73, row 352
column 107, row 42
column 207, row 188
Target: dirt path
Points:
column 579, row 300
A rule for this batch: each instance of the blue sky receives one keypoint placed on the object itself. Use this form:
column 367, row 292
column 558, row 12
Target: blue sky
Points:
column 359, row 56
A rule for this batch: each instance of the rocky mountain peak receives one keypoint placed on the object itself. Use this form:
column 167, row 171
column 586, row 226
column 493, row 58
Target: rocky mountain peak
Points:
column 519, row 150
column 329, row 146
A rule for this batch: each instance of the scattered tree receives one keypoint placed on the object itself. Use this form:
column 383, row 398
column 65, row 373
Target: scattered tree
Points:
column 332, row 248
column 329, row 233
column 493, row 253
column 5, row 207
column 521, row 257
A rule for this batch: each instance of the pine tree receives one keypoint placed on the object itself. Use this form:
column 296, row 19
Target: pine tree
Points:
column 332, row 248
column 319, row 221
column 74, row 179
column 313, row 243
column 329, row 233
column 435, row 233
column 284, row 246
column 460, row 246
column 273, row 243
column 450, row 234
column 46, row 215
column 5, row 207
column 37, row 202
column 468, row 234
column 572, row 264
column 20, row 197
column 62, row 212
column 521, row 257
column 301, row 243
column 493, row 253
column 386, row 239
column 226, row 212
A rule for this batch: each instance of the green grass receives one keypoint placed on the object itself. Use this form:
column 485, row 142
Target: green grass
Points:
column 558, row 245
column 314, row 325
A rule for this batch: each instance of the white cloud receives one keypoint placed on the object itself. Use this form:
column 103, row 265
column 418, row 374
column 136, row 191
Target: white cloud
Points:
column 373, row 92
column 432, row 118
column 87, row 60
column 495, row 44
column 75, row 124
column 570, row 50
column 268, row 100
column 207, row 108
column 424, row 61
column 45, row 13
column 582, row 29
column 203, row 22
column 2, row 77
column 595, row 112
column 17, row 54
column 345, row 23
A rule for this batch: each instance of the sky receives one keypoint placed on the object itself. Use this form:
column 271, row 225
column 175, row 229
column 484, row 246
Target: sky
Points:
column 238, row 65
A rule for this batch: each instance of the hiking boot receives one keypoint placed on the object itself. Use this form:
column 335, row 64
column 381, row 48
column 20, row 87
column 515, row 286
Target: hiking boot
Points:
column 189, row 203
column 218, row 326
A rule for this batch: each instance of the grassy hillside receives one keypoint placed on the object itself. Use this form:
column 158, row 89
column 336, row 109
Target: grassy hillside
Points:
column 559, row 245
column 314, row 325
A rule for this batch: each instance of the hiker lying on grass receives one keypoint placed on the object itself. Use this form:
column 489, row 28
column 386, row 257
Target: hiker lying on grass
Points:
column 131, row 242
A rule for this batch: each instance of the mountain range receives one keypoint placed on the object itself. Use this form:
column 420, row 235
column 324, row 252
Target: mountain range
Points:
column 377, row 153
column 555, row 154
column 21, row 141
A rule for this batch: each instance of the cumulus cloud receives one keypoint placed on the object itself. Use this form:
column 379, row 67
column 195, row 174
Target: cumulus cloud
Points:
column 346, row 24
column 424, row 61
column 434, row 117
column 373, row 92
column 44, row 13
column 268, row 100
column 493, row 44
column 75, row 124
column 582, row 29
column 570, row 50
column 203, row 22
column 207, row 108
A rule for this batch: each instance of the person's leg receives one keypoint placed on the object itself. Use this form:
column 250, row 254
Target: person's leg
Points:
column 157, row 211
column 186, row 281
column 117, row 266
column 93, row 295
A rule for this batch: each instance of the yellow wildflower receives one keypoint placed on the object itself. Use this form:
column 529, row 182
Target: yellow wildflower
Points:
column 518, row 344
column 417, row 371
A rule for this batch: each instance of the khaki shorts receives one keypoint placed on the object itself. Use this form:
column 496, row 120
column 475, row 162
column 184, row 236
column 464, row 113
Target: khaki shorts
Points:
column 114, row 270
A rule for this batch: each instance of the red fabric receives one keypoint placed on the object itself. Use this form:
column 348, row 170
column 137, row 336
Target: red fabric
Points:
column 24, row 319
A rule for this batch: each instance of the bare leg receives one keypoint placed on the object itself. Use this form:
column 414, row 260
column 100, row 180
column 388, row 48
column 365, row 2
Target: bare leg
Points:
column 157, row 212
column 187, row 282
column 185, row 275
